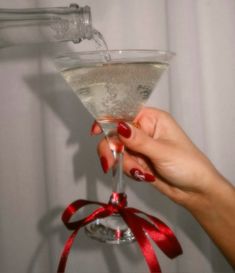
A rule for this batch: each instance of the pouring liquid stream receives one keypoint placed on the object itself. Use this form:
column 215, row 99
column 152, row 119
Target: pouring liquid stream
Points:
column 101, row 45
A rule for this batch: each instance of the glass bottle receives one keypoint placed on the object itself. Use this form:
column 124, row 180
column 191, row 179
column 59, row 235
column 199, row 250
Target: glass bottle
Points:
column 45, row 25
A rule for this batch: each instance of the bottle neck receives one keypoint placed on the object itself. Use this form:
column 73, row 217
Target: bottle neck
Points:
column 38, row 25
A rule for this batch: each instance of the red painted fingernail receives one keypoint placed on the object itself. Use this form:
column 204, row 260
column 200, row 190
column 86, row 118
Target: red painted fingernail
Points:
column 123, row 129
column 149, row 177
column 137, row 174
column 104, row 164
column 140, row 176
column 93, row 128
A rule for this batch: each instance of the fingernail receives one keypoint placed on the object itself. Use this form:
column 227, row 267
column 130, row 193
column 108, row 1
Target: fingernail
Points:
column 137, row 174
column 104, row 164
column 123, row 129
column 92, row 129
column 149, row 177
column 140, row 176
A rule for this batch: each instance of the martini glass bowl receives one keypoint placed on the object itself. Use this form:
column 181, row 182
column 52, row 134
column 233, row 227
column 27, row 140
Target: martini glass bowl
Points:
column 113, row 86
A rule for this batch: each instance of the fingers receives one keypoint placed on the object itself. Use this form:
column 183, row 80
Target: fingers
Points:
column 149, row 137
column 159, row 124
column 134, row 165
column 137, row 140
column 105, row 155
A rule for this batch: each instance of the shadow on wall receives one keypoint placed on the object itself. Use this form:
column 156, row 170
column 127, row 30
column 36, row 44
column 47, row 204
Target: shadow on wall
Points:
column 53, row 92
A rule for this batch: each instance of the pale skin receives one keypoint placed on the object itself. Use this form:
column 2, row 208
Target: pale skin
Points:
column 164, row 155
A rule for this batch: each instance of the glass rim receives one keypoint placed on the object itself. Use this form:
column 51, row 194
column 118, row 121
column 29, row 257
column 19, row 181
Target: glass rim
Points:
column 93, row 57
column 120, row 51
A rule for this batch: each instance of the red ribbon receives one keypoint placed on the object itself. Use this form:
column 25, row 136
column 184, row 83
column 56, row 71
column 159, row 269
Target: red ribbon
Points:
column 142, row 228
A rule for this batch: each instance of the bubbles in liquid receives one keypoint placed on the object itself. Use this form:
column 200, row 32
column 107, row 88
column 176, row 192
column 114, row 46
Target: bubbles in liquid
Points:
column 114, row 91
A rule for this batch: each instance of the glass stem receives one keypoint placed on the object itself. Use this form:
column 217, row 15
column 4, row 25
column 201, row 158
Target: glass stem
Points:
column 117, row 173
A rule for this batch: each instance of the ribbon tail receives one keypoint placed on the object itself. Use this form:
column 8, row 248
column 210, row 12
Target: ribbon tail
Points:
column 144, row 243
column 165, row 238
column 101, row 212
column 160, row 233
column 65, row 253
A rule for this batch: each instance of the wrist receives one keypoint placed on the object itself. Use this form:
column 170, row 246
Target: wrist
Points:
column 215, row 212
column 212, row 199
column 206, row 184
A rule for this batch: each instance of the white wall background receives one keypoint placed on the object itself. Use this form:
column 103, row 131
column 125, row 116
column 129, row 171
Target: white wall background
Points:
column 47, row 158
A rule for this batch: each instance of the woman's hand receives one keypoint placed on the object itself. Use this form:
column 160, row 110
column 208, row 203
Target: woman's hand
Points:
column 158, row 151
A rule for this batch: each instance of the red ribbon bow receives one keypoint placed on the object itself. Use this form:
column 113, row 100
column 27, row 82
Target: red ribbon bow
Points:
column 142, row 228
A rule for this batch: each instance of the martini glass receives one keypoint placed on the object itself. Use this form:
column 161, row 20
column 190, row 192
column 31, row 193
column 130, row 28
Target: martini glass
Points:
column 113, row 86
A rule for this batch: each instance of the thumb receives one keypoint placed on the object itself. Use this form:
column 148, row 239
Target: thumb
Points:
column 137, row 140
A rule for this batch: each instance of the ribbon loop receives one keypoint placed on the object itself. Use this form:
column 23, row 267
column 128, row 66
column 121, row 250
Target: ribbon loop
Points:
column 142, row 228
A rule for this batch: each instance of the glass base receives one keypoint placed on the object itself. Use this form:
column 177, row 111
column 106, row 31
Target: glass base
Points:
column 111, row 230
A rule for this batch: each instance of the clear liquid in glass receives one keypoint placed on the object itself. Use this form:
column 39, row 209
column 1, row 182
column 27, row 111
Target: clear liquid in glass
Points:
column 114, row 91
